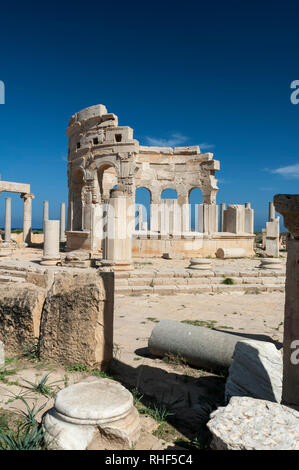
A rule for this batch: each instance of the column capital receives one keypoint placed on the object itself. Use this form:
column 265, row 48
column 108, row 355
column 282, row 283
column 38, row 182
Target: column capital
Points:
column 27, row 196
column 288, row 206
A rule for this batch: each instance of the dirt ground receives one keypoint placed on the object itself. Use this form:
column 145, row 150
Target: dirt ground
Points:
column 174, row 399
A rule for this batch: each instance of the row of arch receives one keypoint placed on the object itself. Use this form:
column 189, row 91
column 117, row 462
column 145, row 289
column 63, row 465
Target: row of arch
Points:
column 143, row 197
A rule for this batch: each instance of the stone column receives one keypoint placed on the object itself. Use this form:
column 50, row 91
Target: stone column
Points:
column 288, row 206
column 62, row 223
column 271, row 216
column 46, row 213
column 27, row 217
column 117, row 247
column 51, row 243
column 7, row 232
column 139, row 209
column 222, row 209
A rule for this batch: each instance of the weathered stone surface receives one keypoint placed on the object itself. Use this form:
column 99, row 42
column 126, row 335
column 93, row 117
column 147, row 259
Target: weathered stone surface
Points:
column 94, row 414
column 255, row 371
column 200, row 264
column 77, row 319
column 20, row 314
column 251, row 424
column 2, row 354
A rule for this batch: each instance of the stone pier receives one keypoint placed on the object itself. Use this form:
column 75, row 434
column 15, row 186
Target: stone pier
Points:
column 288, row 206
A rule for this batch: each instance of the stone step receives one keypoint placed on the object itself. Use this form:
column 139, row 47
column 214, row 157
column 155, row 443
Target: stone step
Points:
column 12, row 272
column 185, row 274
column 158, row 281
column 4, row 279
column 198, row 289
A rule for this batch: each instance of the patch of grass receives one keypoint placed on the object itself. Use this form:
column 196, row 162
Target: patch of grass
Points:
column 158, row 412
column 22, row 434
column 176, row 359
column 43, row 387
column 223, row 327
column 4, row 373
column 228, row 281
column 153, row 319
column 84, row 368
column 152, row 284
column 32, row 349
column 206, row 324
column 165, row 431
column 137, row 359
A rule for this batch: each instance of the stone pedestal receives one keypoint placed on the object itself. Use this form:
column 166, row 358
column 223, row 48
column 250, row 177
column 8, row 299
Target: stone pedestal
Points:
column 200, row 264
column 271, row 263
column 96, row 414
column 288, row 206
column 51, row 254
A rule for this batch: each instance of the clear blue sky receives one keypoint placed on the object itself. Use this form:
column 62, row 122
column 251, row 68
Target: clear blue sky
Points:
column 216, row 74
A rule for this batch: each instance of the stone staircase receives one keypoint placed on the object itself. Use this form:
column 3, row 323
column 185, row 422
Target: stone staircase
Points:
column 10, row 273
column 198, row 282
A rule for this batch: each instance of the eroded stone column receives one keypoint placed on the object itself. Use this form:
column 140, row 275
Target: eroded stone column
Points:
column 27, row 217
column 51, row 243
column 62, row 223
column 288, row 206
column 7, row 230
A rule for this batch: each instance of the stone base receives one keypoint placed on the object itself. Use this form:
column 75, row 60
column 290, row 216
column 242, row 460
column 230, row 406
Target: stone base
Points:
column 109, row 265
column 50, row 262
column 200, row 264
column 95, row 414
column 270, row 263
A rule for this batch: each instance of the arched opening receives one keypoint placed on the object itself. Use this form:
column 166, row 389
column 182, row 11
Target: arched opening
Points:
column 195, row 198
column 169, row 193
column 77, row 186
column 107, row 178
column 142, row 208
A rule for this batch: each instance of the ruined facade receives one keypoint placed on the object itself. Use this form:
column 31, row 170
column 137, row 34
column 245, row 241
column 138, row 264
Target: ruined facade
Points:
column 103, row 155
